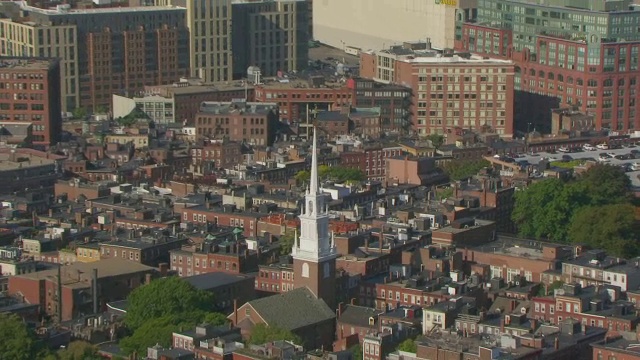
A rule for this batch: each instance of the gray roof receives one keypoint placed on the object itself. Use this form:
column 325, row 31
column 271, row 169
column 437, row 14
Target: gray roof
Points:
column 359, row 315
column 213, row 280
column 293, row 310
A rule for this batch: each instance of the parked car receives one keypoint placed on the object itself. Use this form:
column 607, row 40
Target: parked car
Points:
column 602, row 146
column 564, row 149
column 588, row 147
column 604, row 155
column 635, row 166
column 620, row 157
column 566, row 158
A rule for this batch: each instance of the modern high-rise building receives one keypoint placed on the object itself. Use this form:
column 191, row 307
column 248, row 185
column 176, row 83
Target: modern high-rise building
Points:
column 448, row 90
column 583, row 53
column 103, row 51
column 29, row 93
column 378, row 24
column 314, row 252
column 270, row 34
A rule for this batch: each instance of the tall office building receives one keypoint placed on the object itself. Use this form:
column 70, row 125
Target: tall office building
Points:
column 29, row 96
column 582, row 52
column 314, row 252
column 209, row 23
column 378, row 24
column 103, row 51
column 270, row 34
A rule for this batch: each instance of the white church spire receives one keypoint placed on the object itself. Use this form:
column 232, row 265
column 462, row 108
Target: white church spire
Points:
column 314, row 243
column 313, row 183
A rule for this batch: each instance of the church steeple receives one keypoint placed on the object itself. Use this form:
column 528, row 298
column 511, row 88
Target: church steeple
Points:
column 313, row 183
column 315, row 240
column 314, row 253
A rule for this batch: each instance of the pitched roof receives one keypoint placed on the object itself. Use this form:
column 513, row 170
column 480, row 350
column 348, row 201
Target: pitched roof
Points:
column 359, row 315
column 292, row 310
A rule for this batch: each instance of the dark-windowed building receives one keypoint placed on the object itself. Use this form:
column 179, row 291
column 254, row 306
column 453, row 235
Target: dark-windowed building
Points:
column 581, row 53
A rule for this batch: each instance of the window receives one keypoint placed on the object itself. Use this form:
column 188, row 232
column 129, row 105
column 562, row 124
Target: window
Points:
column 305, row 270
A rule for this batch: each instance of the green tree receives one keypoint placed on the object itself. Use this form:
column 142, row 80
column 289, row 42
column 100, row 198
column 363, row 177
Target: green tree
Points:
column 18, row 342
column 79, row 350
column 548, row 290
column 408, row 345
column 100, row 109
column 286, row 243
column 79, row 113
column 166, row 305
column 462, row 169
column 302, row 177
column 152, row 332
column 262, row 333
column 171, row 296
column 356, row 351
column 613, row 228
column 606, row 184
column 545, row 209
column 436, row 140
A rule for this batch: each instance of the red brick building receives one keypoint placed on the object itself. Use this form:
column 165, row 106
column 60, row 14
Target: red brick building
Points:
column 225, row 257
column 607, row 90
column 254, row 123
column 371, row 159
column 298, row 97
column 189, row 95
column 448, row 90
column 216, row 154
column 202, row 214
column 30, row 93
column 116, row 278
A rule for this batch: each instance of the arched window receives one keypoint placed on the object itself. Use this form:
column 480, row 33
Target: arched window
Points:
column 532, row 72
column 560, row 77
column 550, row 76
column 305, row 270
column 541, row 73
column 569, row 80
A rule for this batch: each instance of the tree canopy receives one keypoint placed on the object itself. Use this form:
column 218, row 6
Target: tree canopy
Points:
column 436, row 140
column 79, row 350
column 594, row 209
column 611, row 227
column 286, row 243
column 262, row 333
column 18, row 342
column 462, row 169
column 408, row 345
column 335, row 173
column 162, row 307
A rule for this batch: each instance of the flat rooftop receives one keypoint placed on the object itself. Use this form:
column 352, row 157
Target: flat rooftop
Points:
column 14, row 161
column 19, row 63
column 237, row 107
column 297, row 83
column 79, row 274
column 194, row 87
column 60, row 10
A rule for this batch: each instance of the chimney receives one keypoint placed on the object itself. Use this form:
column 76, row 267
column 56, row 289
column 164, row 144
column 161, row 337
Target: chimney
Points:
column 163, row 268
column 534, row 324
column 340, row 309
column 94, row 289
column 353, row 301
column 147, row 279
column 556, row 344
column 235, row 312
column 502, row 326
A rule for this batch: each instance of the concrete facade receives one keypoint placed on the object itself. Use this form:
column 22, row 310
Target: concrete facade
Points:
column 374, row 24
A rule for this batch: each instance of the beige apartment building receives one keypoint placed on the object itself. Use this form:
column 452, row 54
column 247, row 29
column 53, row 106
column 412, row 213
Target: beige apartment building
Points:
column 377, row 24
column 209, row 23
column 28, row 39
